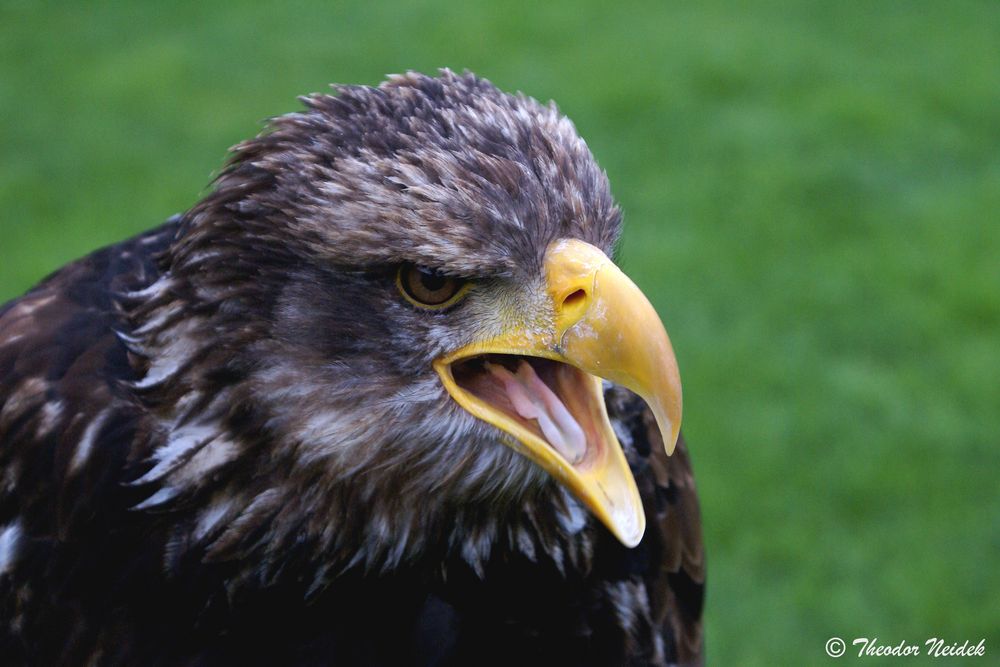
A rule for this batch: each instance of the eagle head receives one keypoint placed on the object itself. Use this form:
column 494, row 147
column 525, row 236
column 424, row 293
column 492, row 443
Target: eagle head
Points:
column 384, row 334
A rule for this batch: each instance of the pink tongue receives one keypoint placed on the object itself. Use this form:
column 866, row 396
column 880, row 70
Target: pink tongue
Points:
column 532, row 399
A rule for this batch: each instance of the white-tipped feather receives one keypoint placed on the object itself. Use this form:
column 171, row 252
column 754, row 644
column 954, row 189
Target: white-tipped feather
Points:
column 10, row 539
column 83, row 448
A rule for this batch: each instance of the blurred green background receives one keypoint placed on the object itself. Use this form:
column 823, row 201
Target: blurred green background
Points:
column 811, row 193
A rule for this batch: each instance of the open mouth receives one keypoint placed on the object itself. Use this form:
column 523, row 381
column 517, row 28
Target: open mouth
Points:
column 555, row 402
column 538, row 380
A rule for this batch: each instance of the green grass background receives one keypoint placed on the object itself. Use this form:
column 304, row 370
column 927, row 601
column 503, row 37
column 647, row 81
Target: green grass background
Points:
column 812, row 199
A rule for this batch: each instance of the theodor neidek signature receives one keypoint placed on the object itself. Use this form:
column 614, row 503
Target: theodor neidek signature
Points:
column 933, row 647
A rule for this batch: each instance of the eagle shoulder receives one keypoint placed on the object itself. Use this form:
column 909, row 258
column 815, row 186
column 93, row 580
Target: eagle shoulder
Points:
column 66, row 425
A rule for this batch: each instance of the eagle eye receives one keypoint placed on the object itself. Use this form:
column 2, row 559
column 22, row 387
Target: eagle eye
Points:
column 427, row 288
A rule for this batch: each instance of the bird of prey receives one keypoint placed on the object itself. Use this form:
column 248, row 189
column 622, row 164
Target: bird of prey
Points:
column 380, row 398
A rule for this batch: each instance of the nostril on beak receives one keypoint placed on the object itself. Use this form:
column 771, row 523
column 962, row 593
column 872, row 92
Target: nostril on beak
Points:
column 574, row 300
column 574, row 306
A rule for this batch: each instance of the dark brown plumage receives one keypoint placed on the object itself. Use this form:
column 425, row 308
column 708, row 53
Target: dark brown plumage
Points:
column 223, row 441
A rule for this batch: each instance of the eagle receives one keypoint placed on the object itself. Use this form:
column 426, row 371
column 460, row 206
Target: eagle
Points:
column 381, row 397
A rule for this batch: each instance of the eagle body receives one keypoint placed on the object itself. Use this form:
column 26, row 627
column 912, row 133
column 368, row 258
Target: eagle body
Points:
column 223, row 441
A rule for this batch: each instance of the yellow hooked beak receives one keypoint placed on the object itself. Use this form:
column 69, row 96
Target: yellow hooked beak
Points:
column 540, row 383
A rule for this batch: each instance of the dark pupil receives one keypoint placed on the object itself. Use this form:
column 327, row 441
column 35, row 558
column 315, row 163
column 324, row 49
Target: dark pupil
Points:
column 432, row 282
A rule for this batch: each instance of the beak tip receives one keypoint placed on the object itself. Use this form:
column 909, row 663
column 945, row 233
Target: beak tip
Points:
column 628, row 525
column 670, row 428
column 671, row 443
column 632, row 538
